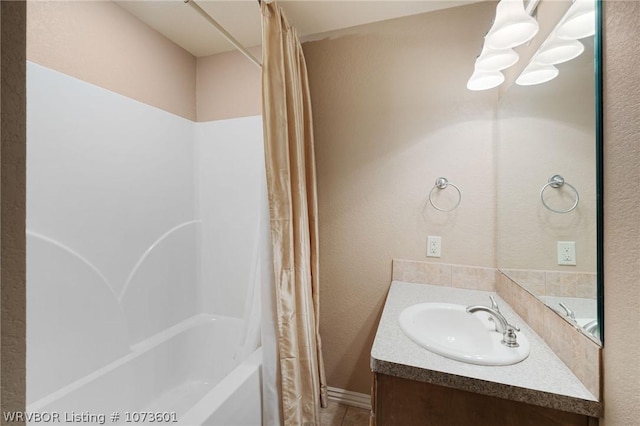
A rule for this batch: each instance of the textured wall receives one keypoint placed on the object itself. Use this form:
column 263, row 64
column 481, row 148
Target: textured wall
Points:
column 392, row 113
column 622, row 100
column 229, row 86
column 622, row 216
column 12, row 211
column 101, row 43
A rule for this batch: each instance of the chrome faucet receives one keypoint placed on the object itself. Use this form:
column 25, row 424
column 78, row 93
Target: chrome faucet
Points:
column 495, row 307
column 592, row 328
column 509, row 337
column 494, row 304
column 569, row 313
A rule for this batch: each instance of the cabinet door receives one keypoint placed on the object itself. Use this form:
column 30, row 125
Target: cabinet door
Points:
column 402, row 402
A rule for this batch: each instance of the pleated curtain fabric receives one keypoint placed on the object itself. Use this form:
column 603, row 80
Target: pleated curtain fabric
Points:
column 293, row 207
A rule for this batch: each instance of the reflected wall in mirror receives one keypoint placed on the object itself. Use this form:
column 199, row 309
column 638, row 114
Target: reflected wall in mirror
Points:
column 545, row 130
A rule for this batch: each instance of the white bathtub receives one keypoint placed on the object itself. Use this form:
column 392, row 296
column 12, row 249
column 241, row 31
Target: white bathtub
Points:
column 186, row 373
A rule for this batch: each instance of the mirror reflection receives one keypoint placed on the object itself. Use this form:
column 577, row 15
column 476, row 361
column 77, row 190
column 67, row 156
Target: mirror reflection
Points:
column 546, row 174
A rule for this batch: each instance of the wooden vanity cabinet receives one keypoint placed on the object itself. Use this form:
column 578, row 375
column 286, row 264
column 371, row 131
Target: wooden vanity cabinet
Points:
column 402, row 402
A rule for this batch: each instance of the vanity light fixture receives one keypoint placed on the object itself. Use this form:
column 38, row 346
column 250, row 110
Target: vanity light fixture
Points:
column 562, row 44
column 579, row 21
column 484, row 80
column 495, row 60
column 536, row 73
column 512, row 26
column 556, row 51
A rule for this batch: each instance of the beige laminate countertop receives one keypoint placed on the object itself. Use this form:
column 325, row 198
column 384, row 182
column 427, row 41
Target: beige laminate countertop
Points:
column 541, row 379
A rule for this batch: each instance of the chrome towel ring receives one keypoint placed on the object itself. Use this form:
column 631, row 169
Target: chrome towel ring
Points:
column 557, row 181
column 442, row 183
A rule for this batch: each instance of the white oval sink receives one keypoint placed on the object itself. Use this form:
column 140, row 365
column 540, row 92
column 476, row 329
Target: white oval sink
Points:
column 449, row 330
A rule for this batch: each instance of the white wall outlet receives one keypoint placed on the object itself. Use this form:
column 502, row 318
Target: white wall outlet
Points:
column 434, row 246
column 566, row 253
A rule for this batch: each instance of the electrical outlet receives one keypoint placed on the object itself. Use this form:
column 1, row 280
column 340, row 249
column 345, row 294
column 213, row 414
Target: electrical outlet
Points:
column 566, row 253
column 434, row 246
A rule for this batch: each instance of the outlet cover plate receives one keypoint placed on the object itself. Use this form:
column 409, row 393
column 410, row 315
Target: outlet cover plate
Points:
column 567, row 253
column 434, row 246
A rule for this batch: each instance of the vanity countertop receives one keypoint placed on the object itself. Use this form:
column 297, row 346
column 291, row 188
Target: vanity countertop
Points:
column 541, row 379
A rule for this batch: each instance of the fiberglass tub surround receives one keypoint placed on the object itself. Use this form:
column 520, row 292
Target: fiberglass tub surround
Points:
column 142, row 237
column 189, row 373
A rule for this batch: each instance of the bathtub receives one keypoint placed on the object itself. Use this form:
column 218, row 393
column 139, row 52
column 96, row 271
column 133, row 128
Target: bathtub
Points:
column 185, row 375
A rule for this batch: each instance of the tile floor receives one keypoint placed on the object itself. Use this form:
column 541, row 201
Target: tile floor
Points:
column 343, row 415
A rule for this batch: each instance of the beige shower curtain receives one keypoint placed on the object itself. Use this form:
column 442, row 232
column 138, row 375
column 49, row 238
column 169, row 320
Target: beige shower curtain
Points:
column 291, row 180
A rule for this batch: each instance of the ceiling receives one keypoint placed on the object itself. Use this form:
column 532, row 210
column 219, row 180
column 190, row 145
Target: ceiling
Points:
column 180, row 23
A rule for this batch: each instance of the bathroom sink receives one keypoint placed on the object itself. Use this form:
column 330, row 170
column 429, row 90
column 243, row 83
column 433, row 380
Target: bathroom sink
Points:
column 449, row 330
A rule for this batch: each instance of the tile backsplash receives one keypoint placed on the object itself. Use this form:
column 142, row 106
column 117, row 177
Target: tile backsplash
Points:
column 555, row 283
column 444, row 274
column 575, row 349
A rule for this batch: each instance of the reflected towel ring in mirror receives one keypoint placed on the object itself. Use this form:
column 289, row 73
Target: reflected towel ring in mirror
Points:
column 442, row 183
column 557, row 181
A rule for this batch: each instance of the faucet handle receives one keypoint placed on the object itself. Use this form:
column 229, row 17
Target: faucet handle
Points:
column 495, row 307
column 509, row 337
column 513, row 327
column 494, row 304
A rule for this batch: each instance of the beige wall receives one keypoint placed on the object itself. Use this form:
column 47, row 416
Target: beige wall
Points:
column 392, row 113
column 544, row 130
column 102, row 44
column 98, row 42
column 12, row 207
column 229, row 86
column 360, row 288
column 622, row 216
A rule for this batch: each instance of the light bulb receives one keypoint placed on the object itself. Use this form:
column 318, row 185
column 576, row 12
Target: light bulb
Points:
column 484, row 80
column 556, row 51
column 512, row 27
column 536, row 73
column 495, row 60
column 579, row 21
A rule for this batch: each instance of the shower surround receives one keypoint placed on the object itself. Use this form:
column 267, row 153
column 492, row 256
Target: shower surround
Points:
column 143, row 230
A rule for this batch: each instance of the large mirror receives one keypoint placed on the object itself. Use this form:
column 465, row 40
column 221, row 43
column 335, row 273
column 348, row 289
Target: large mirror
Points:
column 547, row 178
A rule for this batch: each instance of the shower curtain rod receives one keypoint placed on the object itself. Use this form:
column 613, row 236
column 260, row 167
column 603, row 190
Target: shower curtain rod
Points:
column 224, row 32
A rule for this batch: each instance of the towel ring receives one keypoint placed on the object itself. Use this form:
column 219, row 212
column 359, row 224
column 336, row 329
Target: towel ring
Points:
column 442, row 183
column 557, row 181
